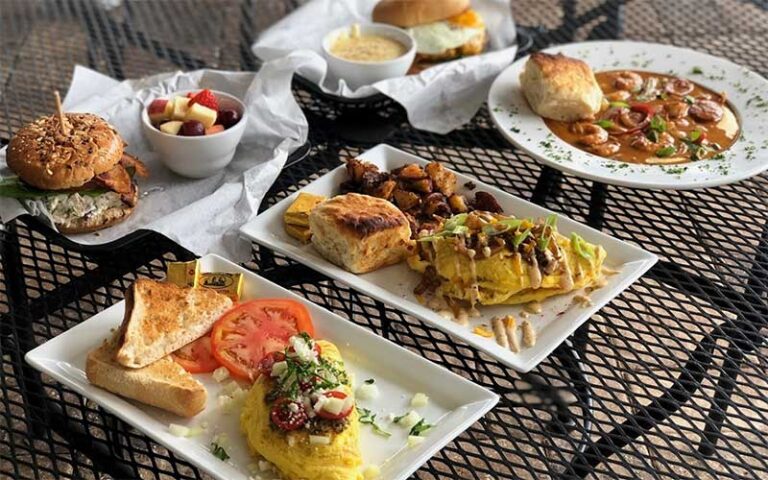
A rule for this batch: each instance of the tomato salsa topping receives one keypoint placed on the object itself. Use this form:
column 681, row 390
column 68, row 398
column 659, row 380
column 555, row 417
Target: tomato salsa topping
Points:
column 306, row 389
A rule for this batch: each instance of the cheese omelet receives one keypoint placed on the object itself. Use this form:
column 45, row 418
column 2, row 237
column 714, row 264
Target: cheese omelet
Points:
column 488, row 259
column 294, row 455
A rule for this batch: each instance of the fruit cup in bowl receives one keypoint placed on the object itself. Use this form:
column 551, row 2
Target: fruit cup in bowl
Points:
column 195, row 132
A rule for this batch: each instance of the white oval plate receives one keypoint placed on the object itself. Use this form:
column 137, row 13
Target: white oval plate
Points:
column 746, row 91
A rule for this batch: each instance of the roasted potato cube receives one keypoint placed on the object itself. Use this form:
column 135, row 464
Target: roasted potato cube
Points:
column 436, row 204
column 383, row 190
column 424, row 185
column 371, row 180
column 443, row 179
column 411, row 172
column 486, row 202
column 457, row 203
column 406, row 200
column 356, row 168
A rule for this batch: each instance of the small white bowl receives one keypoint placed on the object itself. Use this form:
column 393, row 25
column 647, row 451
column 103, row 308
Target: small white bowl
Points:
column 197, row 157
column 358, row 74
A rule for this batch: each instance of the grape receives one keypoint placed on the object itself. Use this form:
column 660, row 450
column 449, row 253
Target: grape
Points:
column 192, row 128
column 228, row 117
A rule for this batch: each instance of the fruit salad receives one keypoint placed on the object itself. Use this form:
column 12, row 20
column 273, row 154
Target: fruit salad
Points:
column 193, row 115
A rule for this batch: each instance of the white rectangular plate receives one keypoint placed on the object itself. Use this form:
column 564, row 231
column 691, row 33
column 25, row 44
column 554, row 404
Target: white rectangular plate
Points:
column 455, row 403
column 394, row 285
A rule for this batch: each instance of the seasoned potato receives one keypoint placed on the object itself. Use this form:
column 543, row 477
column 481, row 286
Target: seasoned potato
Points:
column 443, row 179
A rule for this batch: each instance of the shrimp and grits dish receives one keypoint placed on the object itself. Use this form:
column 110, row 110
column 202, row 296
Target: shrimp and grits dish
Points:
column 633, row 116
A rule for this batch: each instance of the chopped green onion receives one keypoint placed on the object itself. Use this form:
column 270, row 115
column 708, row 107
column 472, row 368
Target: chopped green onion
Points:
column 219, row 452
column 695, row 135
column 545, row 236
column 419, row 428
column 619, row 104
column 455, row 221
column 689, row 99
column 581, row 247
column 520, row 237
column 658, row 124
column 605, row 123
column 666, row 151
column 368, row 418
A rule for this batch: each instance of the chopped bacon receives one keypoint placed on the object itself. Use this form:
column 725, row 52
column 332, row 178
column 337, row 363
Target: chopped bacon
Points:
column 132, row 162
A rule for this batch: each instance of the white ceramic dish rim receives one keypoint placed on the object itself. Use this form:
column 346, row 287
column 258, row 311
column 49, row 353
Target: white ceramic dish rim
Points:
column 232, row 130
column 255, row 231
column 483, row 399
column 748, row 157
column 399, row 32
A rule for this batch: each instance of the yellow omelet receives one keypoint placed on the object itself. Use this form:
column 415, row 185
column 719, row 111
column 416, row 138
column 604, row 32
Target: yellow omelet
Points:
column 505, row 277
column 292, row 453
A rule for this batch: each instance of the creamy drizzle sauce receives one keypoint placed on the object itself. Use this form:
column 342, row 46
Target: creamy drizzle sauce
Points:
column 533, row 307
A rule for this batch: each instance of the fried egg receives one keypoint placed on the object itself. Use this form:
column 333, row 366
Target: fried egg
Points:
column 437, row 37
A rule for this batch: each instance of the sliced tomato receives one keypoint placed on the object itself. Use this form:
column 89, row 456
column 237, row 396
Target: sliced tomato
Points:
column 288, row 415
column 342, row 414
column 243, row 336
column 197, row 357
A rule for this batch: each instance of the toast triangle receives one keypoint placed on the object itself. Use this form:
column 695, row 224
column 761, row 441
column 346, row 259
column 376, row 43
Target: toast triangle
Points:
column 160, row 318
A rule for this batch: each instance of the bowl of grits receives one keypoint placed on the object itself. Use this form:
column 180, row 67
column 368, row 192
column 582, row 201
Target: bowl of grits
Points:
column 365, row 54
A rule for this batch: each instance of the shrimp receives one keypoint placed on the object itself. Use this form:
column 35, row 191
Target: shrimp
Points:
column 707, row 111
column 632, row 119
column 641, row 142
column 589, row 133
column 627, row 80
column 605, row 149
column 676, row 109
column 618, row 96
column 678, row 86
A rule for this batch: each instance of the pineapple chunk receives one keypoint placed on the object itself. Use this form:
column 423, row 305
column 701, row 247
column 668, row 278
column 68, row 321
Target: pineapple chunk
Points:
column 201, row 113
column 172, row 127
column 180, row 107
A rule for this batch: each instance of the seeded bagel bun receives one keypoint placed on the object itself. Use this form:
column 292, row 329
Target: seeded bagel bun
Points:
column 42, row 156
column 409, row 13
column 104, row 219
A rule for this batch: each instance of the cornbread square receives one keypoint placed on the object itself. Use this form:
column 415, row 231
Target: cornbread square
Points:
column 360, row 233
column 298, row 213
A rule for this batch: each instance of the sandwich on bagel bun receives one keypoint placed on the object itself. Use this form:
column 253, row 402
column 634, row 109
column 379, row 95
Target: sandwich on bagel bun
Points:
column 443, row 29
column 75, row 164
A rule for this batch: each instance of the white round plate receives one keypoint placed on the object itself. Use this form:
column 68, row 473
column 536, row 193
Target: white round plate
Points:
column 747, row 92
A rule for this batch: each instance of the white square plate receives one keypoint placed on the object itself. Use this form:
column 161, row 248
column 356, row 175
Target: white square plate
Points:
column 394, row 285
column 455, row 403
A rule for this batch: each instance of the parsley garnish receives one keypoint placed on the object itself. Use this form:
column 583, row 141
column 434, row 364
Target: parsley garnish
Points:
column 697, row 71
column 658, row 124
column 219, row 452
column 369, row 381
column 397, row 419
column 419, row 428
column 368, row 418
column 665, row 151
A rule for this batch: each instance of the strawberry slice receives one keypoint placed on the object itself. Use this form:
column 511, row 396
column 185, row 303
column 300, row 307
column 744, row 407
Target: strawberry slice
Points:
column 205, row 98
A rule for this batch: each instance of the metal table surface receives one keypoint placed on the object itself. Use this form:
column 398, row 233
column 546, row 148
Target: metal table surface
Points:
column 667, row 381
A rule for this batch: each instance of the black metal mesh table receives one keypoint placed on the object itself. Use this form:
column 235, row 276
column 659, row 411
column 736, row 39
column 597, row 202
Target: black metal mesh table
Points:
column 668, row 380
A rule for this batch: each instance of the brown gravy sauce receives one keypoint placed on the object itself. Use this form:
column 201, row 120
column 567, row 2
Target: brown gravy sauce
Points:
column 653, row 118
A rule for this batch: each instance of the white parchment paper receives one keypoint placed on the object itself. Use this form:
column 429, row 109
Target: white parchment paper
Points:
column 201, row 215
column 439, row 99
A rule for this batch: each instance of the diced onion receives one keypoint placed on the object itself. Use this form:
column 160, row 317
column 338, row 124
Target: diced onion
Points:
column 319, row 440
column 411, row 419
column 419, row 400
column 178, row 430
column 367, row 391
column 220, row 374
column 414, row 440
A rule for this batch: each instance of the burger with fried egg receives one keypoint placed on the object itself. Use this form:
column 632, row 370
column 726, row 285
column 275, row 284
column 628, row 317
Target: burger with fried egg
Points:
column 78, row 171
column 443, row 29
